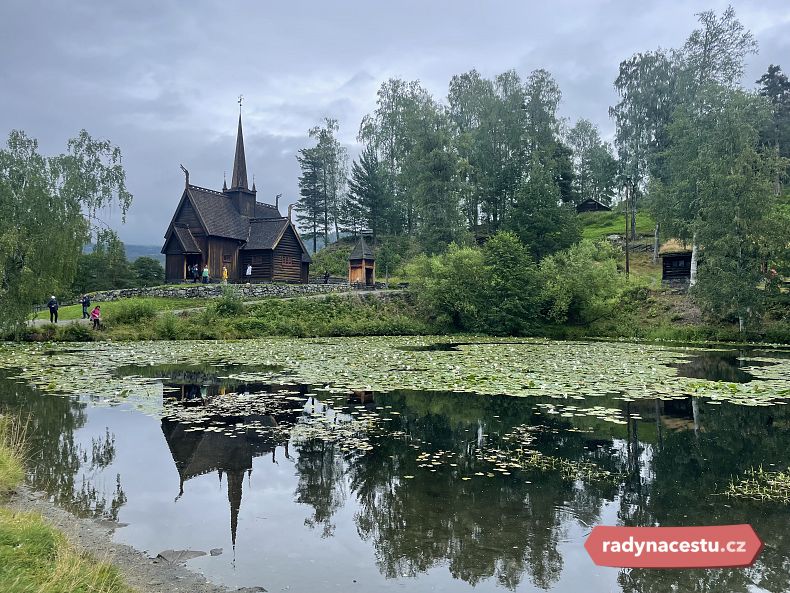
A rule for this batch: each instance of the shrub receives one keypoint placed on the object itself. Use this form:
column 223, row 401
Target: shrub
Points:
column 75, row 332
column 579, row 284
column 229, row 304
column 133, row 311
column 168, row 327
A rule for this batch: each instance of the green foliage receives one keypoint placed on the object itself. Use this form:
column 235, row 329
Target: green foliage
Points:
column 132, row 311
column 227, row 305
column 579, row 284
column 106, row 267
column 74, row 332
column 331, row 316
column 595, row 169
column 12, row 452
column 721, row 194
column 332, row 259
column 542, row 222
column 36, row 557
column 447, row 286
column 493, row 289
column 148, row 272
column 42, row 227
column 169, row 327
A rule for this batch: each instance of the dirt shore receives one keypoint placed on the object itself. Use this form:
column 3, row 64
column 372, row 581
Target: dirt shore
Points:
column 145, row 574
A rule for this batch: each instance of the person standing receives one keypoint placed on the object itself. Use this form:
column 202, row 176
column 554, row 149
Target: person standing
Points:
column 53, row 309
column 205, row 274
column 224, row 274
column 96, row 316
column 86, row 303
column 249, row 273
column 195, row 273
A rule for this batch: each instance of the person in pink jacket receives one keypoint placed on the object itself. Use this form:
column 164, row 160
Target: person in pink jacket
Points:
column 96, row 316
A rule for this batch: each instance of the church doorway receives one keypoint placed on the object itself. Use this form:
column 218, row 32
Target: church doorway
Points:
column 192, row 260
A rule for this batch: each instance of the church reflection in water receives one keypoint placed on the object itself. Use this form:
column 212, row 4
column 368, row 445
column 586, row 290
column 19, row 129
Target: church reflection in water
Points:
column 226, row 449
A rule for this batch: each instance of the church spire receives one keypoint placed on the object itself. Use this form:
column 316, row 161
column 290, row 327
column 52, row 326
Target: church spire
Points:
column 239, row 179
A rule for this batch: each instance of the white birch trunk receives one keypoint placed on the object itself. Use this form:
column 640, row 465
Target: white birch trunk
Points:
column 655, row 245
column 694, row 253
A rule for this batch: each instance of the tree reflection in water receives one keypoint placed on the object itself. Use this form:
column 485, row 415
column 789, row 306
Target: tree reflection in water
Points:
column 671, row 458
column 56, row 463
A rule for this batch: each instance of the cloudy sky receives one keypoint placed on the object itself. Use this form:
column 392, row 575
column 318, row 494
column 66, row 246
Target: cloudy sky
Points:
column 161, row 78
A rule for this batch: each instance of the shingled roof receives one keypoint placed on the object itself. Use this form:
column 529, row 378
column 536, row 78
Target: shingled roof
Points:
column 361, row 250
column 187, row 240
column 264, row 233
column 217, row 212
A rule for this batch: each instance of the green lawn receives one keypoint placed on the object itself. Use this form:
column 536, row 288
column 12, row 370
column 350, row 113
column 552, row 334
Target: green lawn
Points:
column 597, row 225
column 108, row 307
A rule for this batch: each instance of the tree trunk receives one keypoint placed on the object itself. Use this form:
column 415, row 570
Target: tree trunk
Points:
column 694, row 257
column 741, row 324
column 633, row 217
column 655, row 245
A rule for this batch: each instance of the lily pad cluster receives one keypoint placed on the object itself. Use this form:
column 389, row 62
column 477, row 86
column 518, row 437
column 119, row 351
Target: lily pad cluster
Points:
column 517, row 367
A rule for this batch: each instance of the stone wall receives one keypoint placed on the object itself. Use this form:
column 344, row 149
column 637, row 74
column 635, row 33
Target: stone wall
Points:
column 208, row 291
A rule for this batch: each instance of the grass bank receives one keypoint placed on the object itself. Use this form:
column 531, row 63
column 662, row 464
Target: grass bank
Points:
column 644, row 310
column 34, row 556
column 70, row 312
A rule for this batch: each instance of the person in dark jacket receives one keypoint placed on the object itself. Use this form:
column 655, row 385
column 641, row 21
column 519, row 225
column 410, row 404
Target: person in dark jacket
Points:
column 86, row 303
column 53, row 309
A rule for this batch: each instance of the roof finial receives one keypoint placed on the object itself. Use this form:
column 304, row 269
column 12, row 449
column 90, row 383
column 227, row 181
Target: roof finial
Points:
column 241, row 98
column 253, row 183
column 224, row 181
column 186, row 175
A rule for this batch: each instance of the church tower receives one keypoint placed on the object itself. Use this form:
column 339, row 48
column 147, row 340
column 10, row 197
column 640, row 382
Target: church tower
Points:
column 242, row 196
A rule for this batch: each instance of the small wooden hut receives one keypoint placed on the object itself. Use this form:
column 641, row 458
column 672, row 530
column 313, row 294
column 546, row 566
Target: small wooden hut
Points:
column 591, row 205
column 362, row 265
column 675, row 261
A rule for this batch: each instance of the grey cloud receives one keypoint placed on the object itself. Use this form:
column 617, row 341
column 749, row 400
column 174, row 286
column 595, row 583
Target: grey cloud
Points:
column 160, row 79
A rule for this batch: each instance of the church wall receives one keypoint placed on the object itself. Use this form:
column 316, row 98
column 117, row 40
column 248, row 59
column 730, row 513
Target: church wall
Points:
column 261, row 261
column 222, row 252
column 174, row 267
column 288, row 258
column 188, row 216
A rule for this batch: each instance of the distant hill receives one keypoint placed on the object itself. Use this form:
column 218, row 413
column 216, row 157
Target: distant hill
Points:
column 135, row 251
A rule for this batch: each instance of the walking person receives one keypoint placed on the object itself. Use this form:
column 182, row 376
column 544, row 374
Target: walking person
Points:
column 205, row 274
column 86, row 303
column 224, row 274
column 195, row 273
column 53, row 309
column 96, row 316
column 248, row 273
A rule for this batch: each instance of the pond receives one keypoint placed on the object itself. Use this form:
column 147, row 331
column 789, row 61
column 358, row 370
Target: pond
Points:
column 325, row 485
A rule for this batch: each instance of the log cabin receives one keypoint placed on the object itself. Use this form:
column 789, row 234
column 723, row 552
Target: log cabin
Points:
column 231, row 229
column 591, row 205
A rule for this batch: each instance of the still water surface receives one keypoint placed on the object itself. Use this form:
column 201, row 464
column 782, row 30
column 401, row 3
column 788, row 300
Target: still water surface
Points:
column 424, row 502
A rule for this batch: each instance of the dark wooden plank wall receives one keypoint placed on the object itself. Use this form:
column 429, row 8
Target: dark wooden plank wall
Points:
column 288, row 258
column 261, row 261
column 174, row 267
column 217, row 248
column 676, row 266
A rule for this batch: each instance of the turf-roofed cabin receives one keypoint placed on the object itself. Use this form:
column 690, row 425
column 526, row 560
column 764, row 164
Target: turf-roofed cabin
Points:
column 231, row 229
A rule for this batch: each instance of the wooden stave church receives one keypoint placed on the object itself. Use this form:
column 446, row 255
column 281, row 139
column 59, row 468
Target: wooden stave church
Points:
column 231, row 228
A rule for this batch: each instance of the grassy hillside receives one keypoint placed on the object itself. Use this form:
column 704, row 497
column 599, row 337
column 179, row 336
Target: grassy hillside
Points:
column 597, row 225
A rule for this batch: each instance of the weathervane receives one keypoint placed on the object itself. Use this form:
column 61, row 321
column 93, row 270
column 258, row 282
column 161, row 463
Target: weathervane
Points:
column 241, row 98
